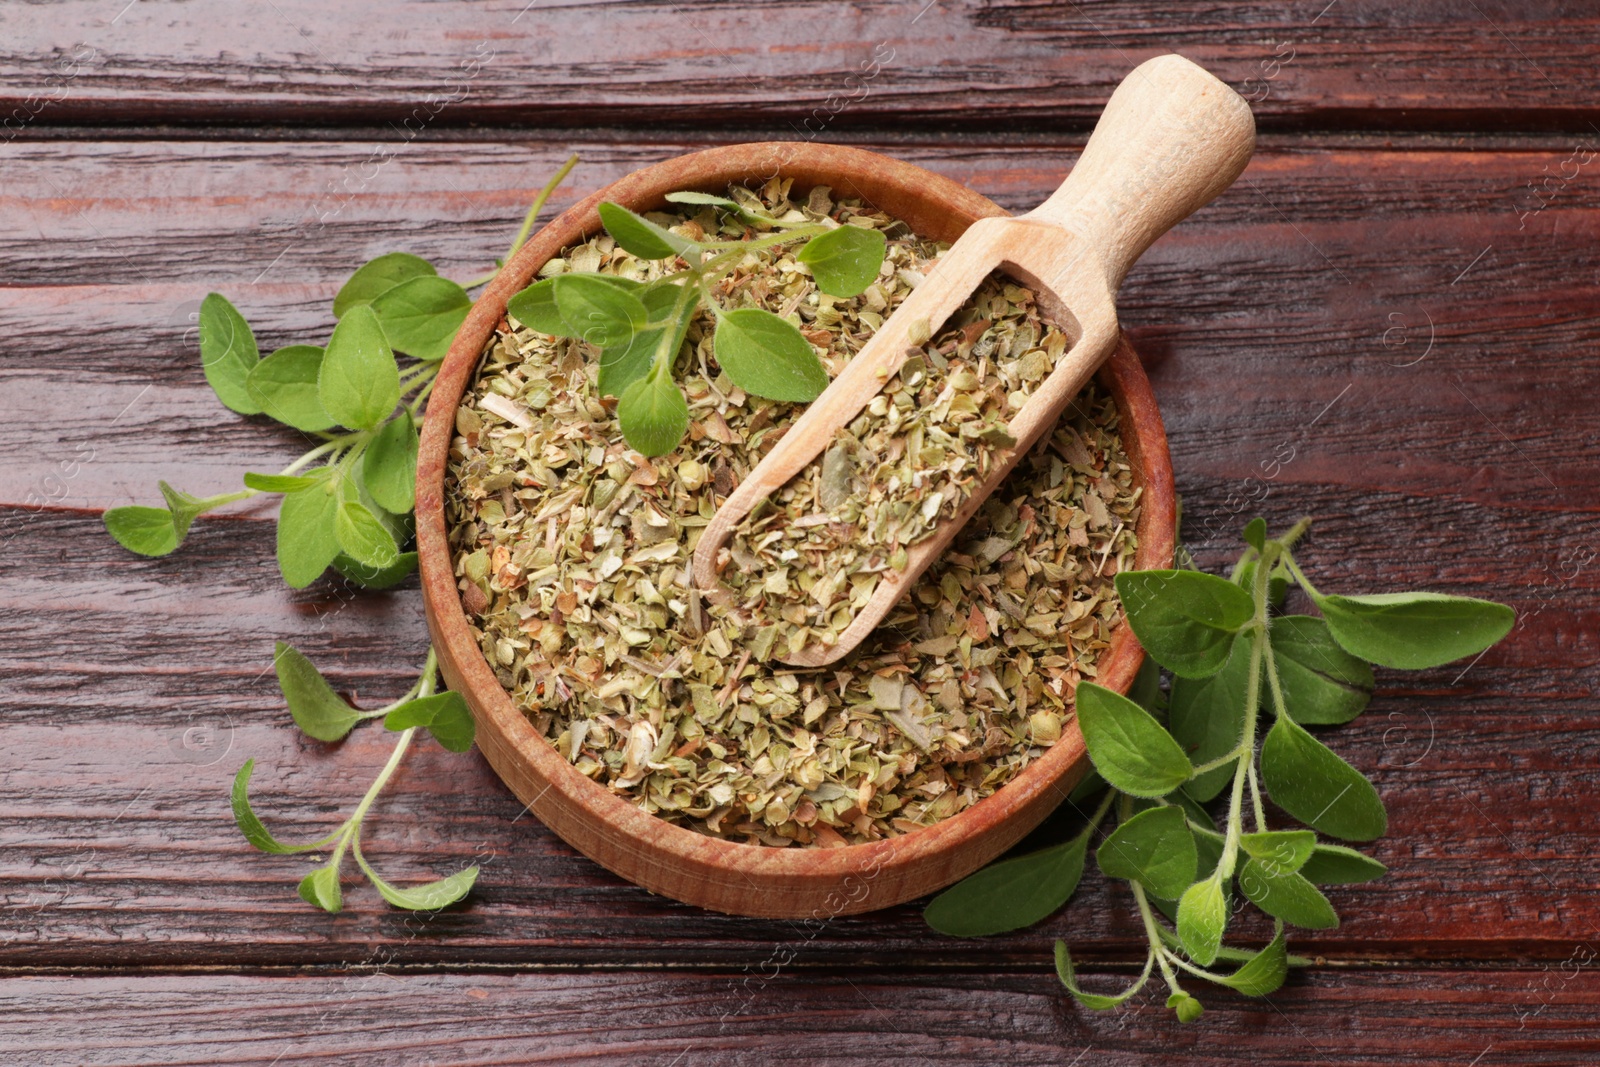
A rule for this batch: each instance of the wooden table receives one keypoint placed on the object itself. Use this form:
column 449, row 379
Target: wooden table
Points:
column 1389, row 323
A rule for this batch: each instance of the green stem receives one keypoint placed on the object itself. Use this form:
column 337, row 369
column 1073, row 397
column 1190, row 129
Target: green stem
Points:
column 1299, row 576
column 1151, row 932
column 421, row 397
column 1294, row 533
column 226, row 498
column 321, row 450
column 737, row 249
column 1247, row 739
column 528, row 220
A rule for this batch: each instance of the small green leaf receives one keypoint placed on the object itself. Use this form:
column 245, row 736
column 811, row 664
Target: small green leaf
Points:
column 1010, row 894
column 1338, row 865
column 369, row 577
column 359, row 383
column 389, row 465
column 1307, row 780
column 1286, row 895
column 430, row 896
column 306, row 540
column 420, row 316
column 317, row 709
column 228, row 353
column 535, row 308
column 363, row 537
column 1186, row 1007
column 321, row 887
column 147, row 531
column 1412, row 631
column 1266, row 970
column 1154, row 848
column 444, row 714
column 250, row 825
column 660, row 299
column 1255, row 533
column 378, row 276
column 1280, row 850
column 1096, row 1001
column 184, row 508
column 1185, row 620
column 653, row 414
column 1206, row 716
column 284, row 386
column 599, row 312
column 622, row 365
column 640, row 236
column 766, row 356
column 1127, row 746
column 1202, row 917
column 1322, row 683
column 279, row 483
column 844, row 261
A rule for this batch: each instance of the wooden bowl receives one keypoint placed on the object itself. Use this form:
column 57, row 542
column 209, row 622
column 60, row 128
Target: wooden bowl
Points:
column 724, row 875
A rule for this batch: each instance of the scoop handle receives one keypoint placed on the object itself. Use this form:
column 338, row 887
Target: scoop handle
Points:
column 1171, row 138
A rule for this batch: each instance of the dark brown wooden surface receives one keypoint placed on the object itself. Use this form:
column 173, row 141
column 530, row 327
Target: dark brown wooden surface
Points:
column 1396, row 311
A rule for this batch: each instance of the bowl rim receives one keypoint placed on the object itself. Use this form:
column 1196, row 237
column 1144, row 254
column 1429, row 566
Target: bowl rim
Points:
column 586, row 813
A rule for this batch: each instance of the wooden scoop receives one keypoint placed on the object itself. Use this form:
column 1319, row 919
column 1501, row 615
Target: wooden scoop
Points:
column 1170, row 139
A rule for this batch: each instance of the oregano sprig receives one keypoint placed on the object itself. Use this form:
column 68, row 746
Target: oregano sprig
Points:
column 324, row 715
column 1236, row 664
column 639, row 327
column 347, row 503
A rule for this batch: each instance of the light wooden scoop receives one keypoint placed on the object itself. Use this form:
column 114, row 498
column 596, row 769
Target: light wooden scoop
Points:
column 1171, row 138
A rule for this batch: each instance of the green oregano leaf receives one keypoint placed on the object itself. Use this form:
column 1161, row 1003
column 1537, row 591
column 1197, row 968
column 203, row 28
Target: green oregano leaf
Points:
column 845, row 260
column 228, row 353
column 766, row 356
column 321, row 887
column 1286, row 895
column 370, row 577
column 622, row 365
column 1322, row 683
column 430, row 896
column 284, row 387
column 641, row 237
column 147, row 531
column 250, row 825
column 359, row 381
column 1206, row 717
column 420, row 317
column 1279, row 850
column 363, row 537
column 306, row 540
column 1202, row 918
column 1255, row 533
column 1307, row 780
column 183, row 507
column 1127, row 746
column 1153, row 848
column 389, row 465
column 1011, row 894
column 599, row 312
column 1338, row 865
column 535, row 308
column 1413, row 631
column 1096, row 1001
column 1185, row 1006
column 378, row 276
column 653, row 414
column 1185, row 620
column 317, row 709
column 1265, row 972
column 444, row 714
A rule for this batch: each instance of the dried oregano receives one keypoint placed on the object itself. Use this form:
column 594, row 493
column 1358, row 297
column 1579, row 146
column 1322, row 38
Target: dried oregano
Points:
column 573, row 554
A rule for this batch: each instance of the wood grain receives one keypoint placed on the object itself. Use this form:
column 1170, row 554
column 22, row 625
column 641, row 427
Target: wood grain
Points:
column 789, row 69
column 1538, row 1016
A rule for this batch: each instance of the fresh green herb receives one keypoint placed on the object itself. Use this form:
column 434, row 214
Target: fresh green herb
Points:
column 1230, row 653
column 640, row 327
column 324, row 715
column 347, row 504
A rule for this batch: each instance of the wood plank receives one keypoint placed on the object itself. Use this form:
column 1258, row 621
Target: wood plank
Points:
column 1543, row 1016
column 797, row 67
column 1314, row 283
